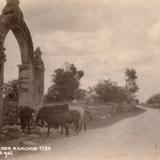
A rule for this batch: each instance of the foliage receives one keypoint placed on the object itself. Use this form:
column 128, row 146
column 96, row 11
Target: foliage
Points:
column 65, row 83
column 80, row 94
column 91, row 97
column 51, row 95
column 131, row 77
column 155, row 99
column 10, row 90
column 108, row 91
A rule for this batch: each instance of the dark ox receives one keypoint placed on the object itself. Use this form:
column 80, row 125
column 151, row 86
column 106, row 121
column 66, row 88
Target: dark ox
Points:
column 26, row 117
column 54, row 109
column 54, row 118
column 59, row 107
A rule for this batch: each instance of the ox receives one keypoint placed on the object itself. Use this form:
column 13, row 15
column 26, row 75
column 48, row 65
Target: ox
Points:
column 55, row 118
column 26, row 116
column 55, row 109
column 83, row 115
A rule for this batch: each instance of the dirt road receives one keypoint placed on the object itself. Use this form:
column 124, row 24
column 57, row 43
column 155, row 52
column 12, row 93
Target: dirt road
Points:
column 134, row 138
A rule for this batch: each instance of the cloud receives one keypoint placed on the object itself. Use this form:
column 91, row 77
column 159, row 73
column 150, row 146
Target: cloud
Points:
column 100, row 37
column 154, row 33
column 63, row 15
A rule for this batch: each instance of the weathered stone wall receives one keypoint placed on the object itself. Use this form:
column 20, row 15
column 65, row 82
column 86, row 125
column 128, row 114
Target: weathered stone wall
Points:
column 39, row 87
column 26, row 85
column 1, row 91
column 31, row 71
column 31, row 86
column 39, row 69
column 109, row 109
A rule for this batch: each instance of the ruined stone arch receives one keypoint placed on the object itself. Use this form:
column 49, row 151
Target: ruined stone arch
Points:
column 31, row 71
column 12, row 19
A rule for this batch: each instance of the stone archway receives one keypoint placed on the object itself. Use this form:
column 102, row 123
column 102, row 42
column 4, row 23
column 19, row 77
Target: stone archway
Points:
column 31, row 71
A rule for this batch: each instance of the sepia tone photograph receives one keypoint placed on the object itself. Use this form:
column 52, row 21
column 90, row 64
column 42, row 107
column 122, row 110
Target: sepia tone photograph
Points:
column 79, row 80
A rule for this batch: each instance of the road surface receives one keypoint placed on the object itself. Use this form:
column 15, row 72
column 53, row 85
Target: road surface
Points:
column 135, row 138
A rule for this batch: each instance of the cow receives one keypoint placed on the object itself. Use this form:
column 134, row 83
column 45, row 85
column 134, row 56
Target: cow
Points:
column 83, row 116
column 55, row 119
column 73, row 116
column 55, row 109
column 26, row 117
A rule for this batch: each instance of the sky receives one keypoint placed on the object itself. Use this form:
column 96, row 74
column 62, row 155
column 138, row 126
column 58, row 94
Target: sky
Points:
column 101, row 37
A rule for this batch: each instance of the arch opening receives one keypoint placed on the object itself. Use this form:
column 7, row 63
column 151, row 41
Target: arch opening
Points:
column 10, row 96
column 31, row 68
column 13, row 58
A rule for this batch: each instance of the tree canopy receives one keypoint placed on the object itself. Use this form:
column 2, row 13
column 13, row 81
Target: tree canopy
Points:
column 10, row 90
column 109, row 91
column 65, row 83
column 155, row 99
column 131, row 77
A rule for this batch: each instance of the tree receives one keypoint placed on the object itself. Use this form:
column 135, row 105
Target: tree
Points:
column 80, row 94
column 104, row 90
column 91, row 97
column 108, row 91
column 131, row 77
column 155, row 99
column 51, row 95
column 65, row 82
column 10, row 91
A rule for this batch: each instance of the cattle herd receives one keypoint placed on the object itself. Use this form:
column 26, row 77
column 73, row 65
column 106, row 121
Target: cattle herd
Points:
column 54, row 116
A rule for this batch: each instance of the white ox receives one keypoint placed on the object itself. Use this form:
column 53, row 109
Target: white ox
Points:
column 82, row 112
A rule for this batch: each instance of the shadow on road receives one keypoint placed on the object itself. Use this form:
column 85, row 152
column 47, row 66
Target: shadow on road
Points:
column 100, row 123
